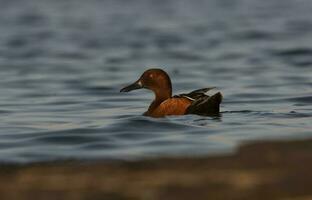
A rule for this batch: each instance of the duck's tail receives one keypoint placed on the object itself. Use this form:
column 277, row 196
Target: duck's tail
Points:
column 207, row 105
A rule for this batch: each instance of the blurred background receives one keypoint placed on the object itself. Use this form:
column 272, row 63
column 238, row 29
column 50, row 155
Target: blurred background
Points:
column 63, row 62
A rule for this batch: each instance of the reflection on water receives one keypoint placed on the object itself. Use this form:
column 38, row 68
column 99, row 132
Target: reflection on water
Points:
column 63, row 63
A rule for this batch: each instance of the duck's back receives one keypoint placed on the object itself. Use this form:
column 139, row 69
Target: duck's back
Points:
column 203, row 104
column 206, row 105
column 195, row 102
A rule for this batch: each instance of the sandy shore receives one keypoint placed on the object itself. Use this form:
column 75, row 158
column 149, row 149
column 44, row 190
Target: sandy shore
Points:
column 265, row 170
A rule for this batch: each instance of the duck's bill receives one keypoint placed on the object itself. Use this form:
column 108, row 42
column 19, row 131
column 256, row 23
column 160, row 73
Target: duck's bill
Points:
column 134, row 86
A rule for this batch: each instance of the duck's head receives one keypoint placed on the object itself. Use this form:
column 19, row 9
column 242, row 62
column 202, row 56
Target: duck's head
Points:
column 156, row 80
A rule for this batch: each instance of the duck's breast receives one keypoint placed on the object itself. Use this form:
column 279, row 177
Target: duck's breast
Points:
column 172, row 106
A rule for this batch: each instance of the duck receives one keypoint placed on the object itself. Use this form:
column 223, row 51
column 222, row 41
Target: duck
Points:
column 196, row 102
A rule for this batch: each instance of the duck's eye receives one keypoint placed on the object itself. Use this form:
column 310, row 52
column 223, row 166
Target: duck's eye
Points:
column 151, row 75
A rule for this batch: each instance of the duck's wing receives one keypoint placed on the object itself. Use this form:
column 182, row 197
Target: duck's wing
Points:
column 206, row 105
column 196, row 94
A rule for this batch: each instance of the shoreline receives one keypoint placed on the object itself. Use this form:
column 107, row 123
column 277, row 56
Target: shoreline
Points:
column 258, row 170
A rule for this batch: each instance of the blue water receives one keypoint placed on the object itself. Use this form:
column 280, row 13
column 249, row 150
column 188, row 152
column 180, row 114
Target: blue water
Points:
column 63, row 63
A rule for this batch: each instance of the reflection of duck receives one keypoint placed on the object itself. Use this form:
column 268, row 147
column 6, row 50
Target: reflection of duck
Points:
column 196, row 102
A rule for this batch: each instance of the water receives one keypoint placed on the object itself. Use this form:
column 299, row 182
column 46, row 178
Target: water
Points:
column 63, row 62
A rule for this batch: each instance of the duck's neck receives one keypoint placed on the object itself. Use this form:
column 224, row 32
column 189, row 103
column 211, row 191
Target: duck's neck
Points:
column 160, row 96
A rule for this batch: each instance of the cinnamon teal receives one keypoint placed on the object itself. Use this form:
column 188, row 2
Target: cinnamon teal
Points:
column 164, row 104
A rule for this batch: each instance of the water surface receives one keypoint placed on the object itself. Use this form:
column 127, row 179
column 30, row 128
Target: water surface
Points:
column 63, row 63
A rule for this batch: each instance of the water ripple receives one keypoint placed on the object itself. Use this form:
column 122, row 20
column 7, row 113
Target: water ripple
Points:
column 61, row 71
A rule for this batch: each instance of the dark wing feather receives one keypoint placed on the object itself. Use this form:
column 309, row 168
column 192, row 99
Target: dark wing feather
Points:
column 196, row 94
column 206, row 105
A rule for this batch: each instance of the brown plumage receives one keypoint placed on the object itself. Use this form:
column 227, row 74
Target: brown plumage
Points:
column 171, row 106
column 196, row 102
